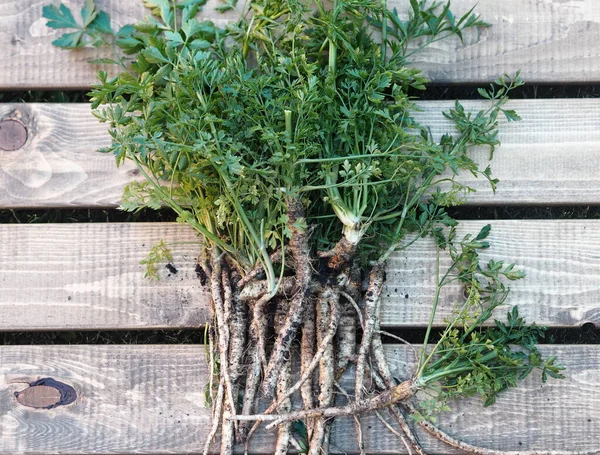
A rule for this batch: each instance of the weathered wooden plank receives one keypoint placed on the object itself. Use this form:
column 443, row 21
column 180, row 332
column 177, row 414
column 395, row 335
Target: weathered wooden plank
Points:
column 561, row 259
column 549, row 41
column 130, row 399
column 58, row 165
column 88, row 276
column 558, row 415
column 30, row 60
column 551, row 157
column 150, row 400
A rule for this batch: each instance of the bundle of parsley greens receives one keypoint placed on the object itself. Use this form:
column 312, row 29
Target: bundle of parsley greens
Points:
column 286, row 140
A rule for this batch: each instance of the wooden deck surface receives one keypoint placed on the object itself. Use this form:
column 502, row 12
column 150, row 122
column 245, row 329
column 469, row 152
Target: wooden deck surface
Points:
column 551, row 157
column 88, row 276
column 150, row 400
column 547, row 40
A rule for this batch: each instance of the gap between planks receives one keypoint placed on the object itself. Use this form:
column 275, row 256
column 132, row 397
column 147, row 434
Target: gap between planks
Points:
column 88, row 276
column 551, row 157
column 548, row 41
column 150, row 400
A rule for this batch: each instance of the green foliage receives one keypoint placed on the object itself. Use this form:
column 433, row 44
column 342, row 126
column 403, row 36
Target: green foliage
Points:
column 298, row 100
column 93, row 29
column 468, row 359
column 228, row 123
column 300, row 432
column 430, row 21
column 159, row 253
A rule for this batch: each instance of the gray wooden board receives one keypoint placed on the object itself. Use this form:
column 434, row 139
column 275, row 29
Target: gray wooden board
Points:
column 31, row 61
column 550, row 41
column 561, row 259
column 58, row 166
column 150, row 399
column 551, row 157
column 88, row 276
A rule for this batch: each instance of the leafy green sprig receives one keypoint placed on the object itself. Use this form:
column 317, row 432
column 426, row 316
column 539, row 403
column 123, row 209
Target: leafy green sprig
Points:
column 214, row 123
column 468, row 359
column 293, row 101
column 92, row 31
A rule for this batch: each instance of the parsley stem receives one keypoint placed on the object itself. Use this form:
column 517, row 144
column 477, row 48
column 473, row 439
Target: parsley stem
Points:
column 436, row 300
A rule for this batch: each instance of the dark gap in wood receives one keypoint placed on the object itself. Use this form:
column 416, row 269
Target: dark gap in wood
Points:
column 84, row 216
column 528, row 91
column 25, row 216
column 525, row 213
column 586, row 334
column 171, row 336
column 433, row 92
column 44, row 96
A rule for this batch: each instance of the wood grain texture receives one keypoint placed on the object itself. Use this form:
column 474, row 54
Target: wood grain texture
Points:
column 558, row 415
column 88, row 276
column 30, row 60
column 561, row 259
column 131, row 399
column 549, row 40
column 58, row 166
column 150, row 400
column 551, row 157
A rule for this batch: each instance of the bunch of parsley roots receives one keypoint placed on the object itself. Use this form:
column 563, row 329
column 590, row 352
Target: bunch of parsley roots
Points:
column 286, row 139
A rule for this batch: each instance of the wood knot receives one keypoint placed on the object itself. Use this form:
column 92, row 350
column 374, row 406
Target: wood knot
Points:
column 13, row 135
column 46, row 393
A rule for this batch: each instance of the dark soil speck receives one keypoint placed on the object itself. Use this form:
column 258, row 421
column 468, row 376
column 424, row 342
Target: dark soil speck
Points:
column 201, row 274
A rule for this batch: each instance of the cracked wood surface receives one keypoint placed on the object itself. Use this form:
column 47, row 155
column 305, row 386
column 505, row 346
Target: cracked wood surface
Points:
column 150, row 400
column 88, row 276
column 551, row 157
column 548, row 40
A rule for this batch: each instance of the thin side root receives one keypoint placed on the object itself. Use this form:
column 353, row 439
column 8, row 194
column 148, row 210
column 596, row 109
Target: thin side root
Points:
column 401, row 392
column 408, row 432
column 223, row 315
column 470, row 448
column 325, row 344
column 327, row 308
column 307, row 351
column 392, row 430
column 283, row 383
column 216, row 417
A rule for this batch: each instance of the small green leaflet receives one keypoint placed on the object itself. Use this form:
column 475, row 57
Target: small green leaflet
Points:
column 60, row 17
column 88, row 13
column 153, row 55
column 69, row 40
column 174, row 37
column 511, row 115
column 485, row 231
column 95, row 23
